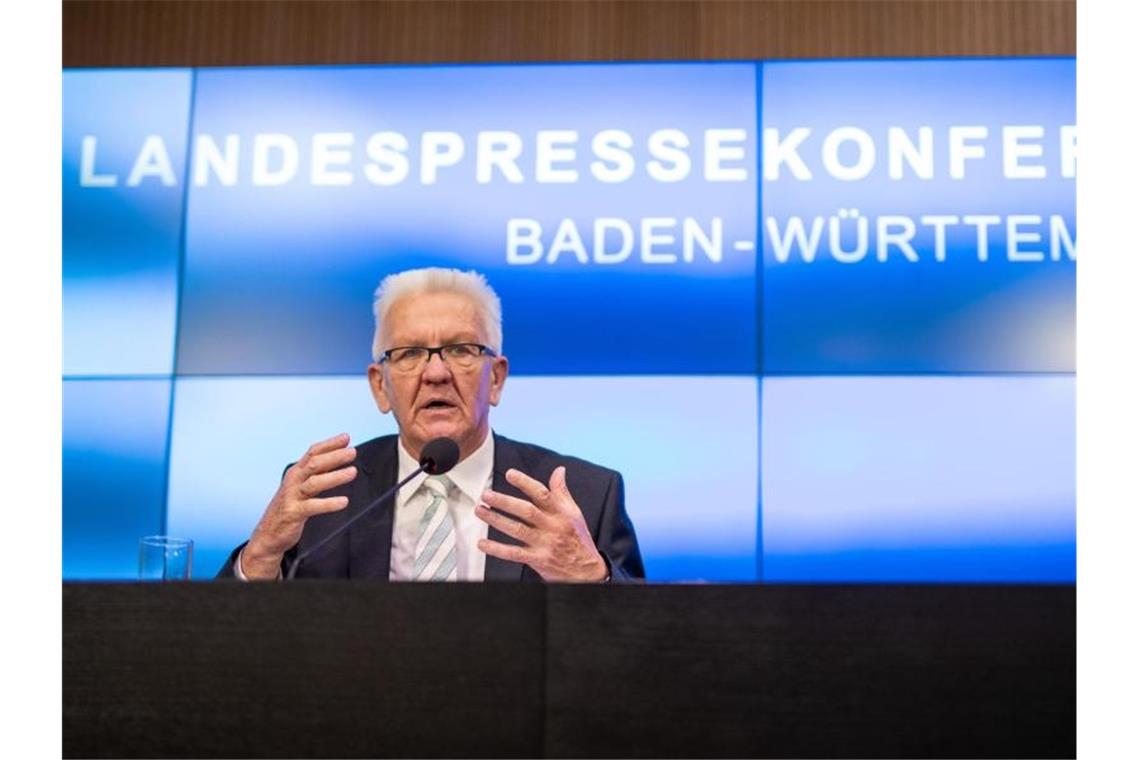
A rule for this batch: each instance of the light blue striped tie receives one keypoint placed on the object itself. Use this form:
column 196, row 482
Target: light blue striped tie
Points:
column 435, row 541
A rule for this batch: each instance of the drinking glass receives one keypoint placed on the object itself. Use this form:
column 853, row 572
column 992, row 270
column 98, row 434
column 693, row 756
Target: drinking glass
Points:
column 165, row 558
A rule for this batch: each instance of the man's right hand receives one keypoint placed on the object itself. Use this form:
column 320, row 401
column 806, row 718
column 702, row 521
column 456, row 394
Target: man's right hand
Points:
column 325, row 465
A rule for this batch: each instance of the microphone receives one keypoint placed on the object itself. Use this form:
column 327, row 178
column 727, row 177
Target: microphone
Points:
column 438, row 456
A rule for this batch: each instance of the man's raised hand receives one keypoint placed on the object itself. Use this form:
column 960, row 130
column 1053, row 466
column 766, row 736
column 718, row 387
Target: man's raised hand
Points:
column 324, row 466
column 556, row 543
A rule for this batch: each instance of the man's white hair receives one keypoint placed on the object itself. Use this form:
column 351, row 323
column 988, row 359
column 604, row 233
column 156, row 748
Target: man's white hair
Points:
column 437, row 280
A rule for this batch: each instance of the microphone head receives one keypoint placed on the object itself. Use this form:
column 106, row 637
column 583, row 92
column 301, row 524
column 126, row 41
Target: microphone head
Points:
column 439, row 455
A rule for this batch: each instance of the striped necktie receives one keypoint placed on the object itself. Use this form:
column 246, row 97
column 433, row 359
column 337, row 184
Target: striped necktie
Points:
column 435, row 542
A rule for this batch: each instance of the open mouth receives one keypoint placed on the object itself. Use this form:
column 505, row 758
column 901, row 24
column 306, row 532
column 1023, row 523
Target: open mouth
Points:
column 439, row 405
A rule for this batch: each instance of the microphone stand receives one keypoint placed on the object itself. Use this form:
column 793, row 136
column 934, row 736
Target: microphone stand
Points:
column 384, row 496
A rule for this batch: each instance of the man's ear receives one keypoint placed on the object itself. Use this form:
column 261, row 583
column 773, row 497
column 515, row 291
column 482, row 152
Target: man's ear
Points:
column 379, row 388
column 500, row 368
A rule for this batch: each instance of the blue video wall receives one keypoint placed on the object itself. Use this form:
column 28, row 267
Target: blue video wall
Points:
column 819, row 314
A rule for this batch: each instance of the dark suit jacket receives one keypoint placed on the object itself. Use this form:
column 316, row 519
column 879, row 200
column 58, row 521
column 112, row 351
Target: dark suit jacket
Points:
column 363, row 551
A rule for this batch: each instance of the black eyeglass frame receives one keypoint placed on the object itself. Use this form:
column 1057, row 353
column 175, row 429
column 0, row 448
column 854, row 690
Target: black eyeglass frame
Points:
column 431, row 351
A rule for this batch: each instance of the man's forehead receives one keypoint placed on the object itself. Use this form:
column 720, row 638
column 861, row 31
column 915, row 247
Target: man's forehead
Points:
column 434, row 312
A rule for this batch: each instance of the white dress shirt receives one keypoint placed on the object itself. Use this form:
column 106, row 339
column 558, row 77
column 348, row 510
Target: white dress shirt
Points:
column 470, row 478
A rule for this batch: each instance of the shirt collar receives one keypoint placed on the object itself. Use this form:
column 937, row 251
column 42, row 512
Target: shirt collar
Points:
column 470, row 476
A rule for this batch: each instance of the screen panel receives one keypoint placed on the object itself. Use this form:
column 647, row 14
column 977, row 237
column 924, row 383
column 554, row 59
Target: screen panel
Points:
column 114, row 473
column 919, row 479
column 692, row 497
column 124, row 157
column 596, row 198
column 919, row 216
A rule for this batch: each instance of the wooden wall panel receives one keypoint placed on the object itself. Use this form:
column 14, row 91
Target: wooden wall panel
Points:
column 272, row 32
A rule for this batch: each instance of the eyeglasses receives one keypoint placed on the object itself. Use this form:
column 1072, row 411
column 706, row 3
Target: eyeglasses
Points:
column 455, row 355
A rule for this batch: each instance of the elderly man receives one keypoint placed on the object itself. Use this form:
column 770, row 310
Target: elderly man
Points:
column 506, row 511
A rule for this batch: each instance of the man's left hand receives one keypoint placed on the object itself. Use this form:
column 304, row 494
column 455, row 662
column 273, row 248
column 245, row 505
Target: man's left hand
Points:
column 556, row 543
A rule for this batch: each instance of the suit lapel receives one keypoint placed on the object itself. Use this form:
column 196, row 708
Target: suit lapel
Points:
column 506, row 457
column 370, row 540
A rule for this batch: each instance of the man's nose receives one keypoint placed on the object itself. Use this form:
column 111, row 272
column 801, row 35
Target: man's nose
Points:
column 436, row 369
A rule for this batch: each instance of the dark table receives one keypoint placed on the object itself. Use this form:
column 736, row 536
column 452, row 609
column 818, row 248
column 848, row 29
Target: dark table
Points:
column 357, row 669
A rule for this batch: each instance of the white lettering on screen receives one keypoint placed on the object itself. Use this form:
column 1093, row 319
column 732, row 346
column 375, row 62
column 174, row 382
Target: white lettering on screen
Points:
column 611, row 156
